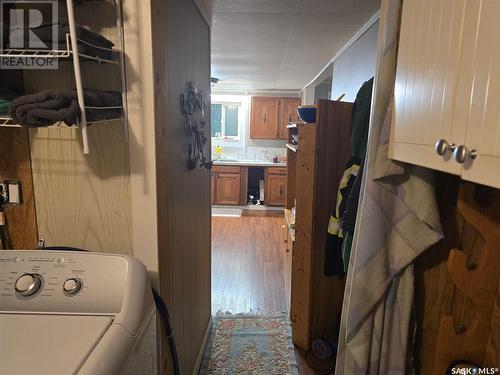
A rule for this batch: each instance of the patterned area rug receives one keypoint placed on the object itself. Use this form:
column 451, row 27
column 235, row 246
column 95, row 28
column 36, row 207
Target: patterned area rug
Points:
column 250, row 344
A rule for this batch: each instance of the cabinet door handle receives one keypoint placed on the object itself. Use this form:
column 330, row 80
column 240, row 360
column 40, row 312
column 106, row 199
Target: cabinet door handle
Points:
column 461, row 154
column 265, row 117
column 442, row 146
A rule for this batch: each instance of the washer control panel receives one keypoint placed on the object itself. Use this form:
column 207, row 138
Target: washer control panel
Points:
column 63, row 282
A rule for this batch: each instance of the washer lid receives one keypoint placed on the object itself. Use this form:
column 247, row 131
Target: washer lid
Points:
column 48, row 344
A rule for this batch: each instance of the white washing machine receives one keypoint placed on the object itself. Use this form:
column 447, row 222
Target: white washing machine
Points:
column 75, row 313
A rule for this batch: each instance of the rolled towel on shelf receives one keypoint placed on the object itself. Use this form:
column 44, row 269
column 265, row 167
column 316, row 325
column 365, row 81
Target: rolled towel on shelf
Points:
column 52, row 106
column 90, row 43
column 6, row 98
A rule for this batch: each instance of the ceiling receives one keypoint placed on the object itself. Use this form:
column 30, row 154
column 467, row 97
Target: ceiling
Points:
column 280, row 44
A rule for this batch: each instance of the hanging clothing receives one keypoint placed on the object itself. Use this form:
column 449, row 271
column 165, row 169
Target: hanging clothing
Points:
column 334, row 264
column 399, row 221
column 348, row 222
column 361, row 120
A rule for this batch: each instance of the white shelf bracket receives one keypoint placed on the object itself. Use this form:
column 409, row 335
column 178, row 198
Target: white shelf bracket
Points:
column 78, row 75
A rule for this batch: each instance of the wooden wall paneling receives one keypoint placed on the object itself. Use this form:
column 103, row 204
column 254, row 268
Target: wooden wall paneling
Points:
column 15, row 164
column 456, row 291
column 301, row 263
column 182, row 54
column 333, row 139
column 433, row 287
column 492, row 357
column 84, row 201
column 474, row 271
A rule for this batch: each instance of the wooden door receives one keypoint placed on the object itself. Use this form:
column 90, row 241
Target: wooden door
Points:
column 276, row 190
column 288, row 114
column 432, row 81
column 483, row 103
column 227, row 188
column 264, row 118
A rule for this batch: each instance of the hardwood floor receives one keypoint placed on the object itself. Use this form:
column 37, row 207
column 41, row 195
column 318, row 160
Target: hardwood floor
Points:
column 247, row 266
column 247, row 263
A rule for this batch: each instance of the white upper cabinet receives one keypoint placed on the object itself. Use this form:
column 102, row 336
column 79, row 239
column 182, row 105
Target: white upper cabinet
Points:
column 483, row 121
column 447, row 88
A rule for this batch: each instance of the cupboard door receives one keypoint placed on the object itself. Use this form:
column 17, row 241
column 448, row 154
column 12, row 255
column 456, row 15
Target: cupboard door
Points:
column 276, row 190
column 483, row 128
column 431, row 82
column 227, row 188
column 264, row 118
column 288, row 114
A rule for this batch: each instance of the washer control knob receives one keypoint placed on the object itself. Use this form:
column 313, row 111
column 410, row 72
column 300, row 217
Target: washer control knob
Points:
column 72, row 286
column 28, row 284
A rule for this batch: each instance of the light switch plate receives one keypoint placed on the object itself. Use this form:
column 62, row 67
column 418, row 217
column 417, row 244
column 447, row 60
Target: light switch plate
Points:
column 14, row 191
column 11, row 191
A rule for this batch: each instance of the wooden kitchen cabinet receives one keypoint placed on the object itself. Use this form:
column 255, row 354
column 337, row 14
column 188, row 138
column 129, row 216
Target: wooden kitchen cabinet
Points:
column 448, row 88
column 271, row 115
column 226, row 185
column 288, row 114
column 264, row 117
column 275, row 186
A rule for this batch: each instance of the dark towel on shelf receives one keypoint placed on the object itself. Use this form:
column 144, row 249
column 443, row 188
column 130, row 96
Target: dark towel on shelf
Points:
column 51, row 106
column 6, row 98
column 44, row 33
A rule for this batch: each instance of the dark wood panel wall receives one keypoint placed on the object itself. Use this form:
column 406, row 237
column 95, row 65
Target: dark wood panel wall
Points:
column 457, row 295
column 182, row 54
column 15, row 164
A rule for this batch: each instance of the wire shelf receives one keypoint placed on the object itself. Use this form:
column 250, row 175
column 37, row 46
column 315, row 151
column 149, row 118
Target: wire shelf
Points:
column 8, row 122
column 72, row 52
column 60, row 53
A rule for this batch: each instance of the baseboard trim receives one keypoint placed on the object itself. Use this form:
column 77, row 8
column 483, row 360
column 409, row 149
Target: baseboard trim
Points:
column 199, row 359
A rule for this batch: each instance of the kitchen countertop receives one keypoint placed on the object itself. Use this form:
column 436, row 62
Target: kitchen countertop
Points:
column 249, row 163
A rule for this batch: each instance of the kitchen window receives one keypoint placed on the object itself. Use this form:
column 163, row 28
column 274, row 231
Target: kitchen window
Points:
column 225, row 120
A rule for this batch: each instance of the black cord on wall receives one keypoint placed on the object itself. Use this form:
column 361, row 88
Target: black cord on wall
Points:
column 160, row 306
column 169, row 330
